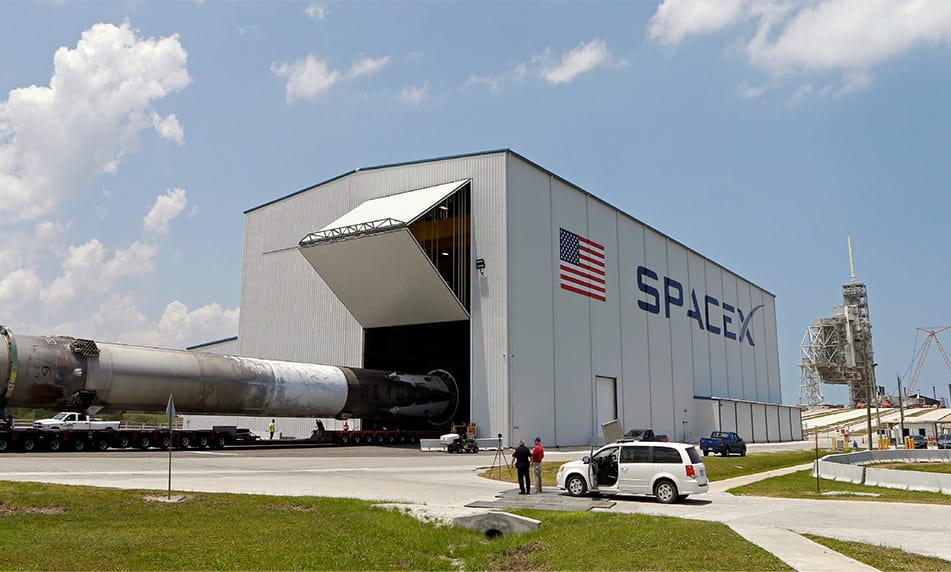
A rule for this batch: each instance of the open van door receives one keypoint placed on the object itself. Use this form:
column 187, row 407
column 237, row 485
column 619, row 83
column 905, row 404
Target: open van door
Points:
column 612, row 431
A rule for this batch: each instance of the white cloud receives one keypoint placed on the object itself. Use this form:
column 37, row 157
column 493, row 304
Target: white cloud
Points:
column 306, row 78
column 164, row 210
column 747, row 91
column 55, row 140
column 310, row 77
column 677, row 19
column 368, row 66
column 572, row 64
column 414, row 94
column 497, row 82
column 177, row 328
column 847, row 35
column 316, row 11
column 843, row 36
column 168, row 127
column 250, row 30
column 580, row 60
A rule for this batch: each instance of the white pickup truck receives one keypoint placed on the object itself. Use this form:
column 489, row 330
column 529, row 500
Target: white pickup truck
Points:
column 70, row 420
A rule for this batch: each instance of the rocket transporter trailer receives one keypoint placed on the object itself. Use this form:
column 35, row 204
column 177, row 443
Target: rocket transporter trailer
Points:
column 64, row 372
column 33, row 439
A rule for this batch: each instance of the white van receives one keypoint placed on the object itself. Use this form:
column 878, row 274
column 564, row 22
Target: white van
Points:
column 668, row 471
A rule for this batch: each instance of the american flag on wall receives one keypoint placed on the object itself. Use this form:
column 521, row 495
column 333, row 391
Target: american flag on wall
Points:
column 582, row 265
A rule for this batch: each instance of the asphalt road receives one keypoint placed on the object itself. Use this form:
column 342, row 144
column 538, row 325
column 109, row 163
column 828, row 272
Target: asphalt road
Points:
column 440, row 481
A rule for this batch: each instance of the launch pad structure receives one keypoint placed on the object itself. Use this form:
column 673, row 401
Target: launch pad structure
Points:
column 838, row 350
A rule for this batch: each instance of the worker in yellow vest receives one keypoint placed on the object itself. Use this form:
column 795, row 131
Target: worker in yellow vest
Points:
column 271, row 428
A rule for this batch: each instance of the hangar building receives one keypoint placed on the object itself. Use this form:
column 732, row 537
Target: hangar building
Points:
column 554, row 311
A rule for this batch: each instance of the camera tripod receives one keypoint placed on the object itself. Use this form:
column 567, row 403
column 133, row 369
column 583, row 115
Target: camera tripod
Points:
column 500, row 460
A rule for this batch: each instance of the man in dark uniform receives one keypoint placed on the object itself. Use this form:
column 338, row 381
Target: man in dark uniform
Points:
column 522, row 457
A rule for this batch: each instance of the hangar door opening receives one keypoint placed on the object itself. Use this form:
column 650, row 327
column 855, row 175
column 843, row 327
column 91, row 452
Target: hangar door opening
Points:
column 606, row 400
column 400, row 264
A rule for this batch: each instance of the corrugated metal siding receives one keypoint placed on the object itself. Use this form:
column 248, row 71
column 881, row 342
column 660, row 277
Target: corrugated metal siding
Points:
column 287, row 312
column 661, row 359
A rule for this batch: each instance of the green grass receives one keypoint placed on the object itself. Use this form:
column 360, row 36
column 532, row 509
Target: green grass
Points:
column 882, row 557
column 802, row 484
column 54, row 527
column 925, row 467
column 720, row 468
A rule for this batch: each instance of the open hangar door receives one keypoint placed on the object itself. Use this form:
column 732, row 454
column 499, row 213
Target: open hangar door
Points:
column 400, row 264
column 422, row 348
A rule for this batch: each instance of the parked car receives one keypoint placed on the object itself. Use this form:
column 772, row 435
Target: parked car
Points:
column 644, row 435
column 944, row 441
column 723, row 443
column 668, row 471
column 921, row 442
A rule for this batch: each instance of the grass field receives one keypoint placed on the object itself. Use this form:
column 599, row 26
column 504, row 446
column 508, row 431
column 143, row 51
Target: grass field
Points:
column 882, row 557
column 802, row 484
column 54, row 527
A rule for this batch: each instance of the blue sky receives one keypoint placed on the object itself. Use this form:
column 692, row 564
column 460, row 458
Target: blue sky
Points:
column 133, row 135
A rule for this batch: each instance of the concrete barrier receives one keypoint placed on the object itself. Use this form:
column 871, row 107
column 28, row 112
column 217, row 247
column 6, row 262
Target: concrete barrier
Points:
column 850, row 467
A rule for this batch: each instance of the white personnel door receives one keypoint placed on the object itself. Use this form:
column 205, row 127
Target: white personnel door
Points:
column 605, row 389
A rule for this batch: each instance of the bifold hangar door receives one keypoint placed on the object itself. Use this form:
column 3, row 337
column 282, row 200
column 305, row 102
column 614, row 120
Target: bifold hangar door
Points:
column 399, row 260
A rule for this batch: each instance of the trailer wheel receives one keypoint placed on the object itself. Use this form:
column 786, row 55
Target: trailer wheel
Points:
column 3, row 444
column 28, row 444
column 53, row 444
column 391, row 438
column 79, row 445
column 122, row 441
column 220, row 442
column 412, row 437
column 102, row 444
column 184, row 442
column 164, row 442
column 202, row 441
column 379, row 438
column 144, row 442
column 402, row 438
column 344, row 439
column 356, row 439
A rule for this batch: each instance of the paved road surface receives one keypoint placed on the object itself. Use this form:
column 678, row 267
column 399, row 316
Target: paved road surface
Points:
column 444, row 482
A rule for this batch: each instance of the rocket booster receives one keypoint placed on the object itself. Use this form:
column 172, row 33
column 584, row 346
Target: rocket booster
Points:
column 69, row 373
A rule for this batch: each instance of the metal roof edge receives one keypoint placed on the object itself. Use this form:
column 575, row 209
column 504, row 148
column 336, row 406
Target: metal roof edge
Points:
column 634, row 218
column 387, row 166
column 206, row 344
column 533, row 164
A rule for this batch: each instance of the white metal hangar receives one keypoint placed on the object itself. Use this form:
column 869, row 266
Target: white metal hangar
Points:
column 554, row 311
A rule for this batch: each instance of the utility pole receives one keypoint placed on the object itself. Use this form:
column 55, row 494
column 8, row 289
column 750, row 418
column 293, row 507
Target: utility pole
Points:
column 901, row 410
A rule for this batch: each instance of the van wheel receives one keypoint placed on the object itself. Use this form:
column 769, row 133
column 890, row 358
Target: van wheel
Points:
column 576, row 486
column 665, row 491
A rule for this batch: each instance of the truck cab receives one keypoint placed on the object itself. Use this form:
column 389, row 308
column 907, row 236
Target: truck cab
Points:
column 668, row 471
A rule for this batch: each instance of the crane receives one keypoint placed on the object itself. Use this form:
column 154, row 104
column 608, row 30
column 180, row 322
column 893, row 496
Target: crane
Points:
column 932, row 337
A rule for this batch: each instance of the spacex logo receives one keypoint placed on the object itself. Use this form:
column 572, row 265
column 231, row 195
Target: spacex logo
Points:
column 715, row 316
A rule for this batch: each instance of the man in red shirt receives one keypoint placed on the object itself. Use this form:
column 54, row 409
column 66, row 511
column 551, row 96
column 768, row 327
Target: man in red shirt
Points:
column 538, row 453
